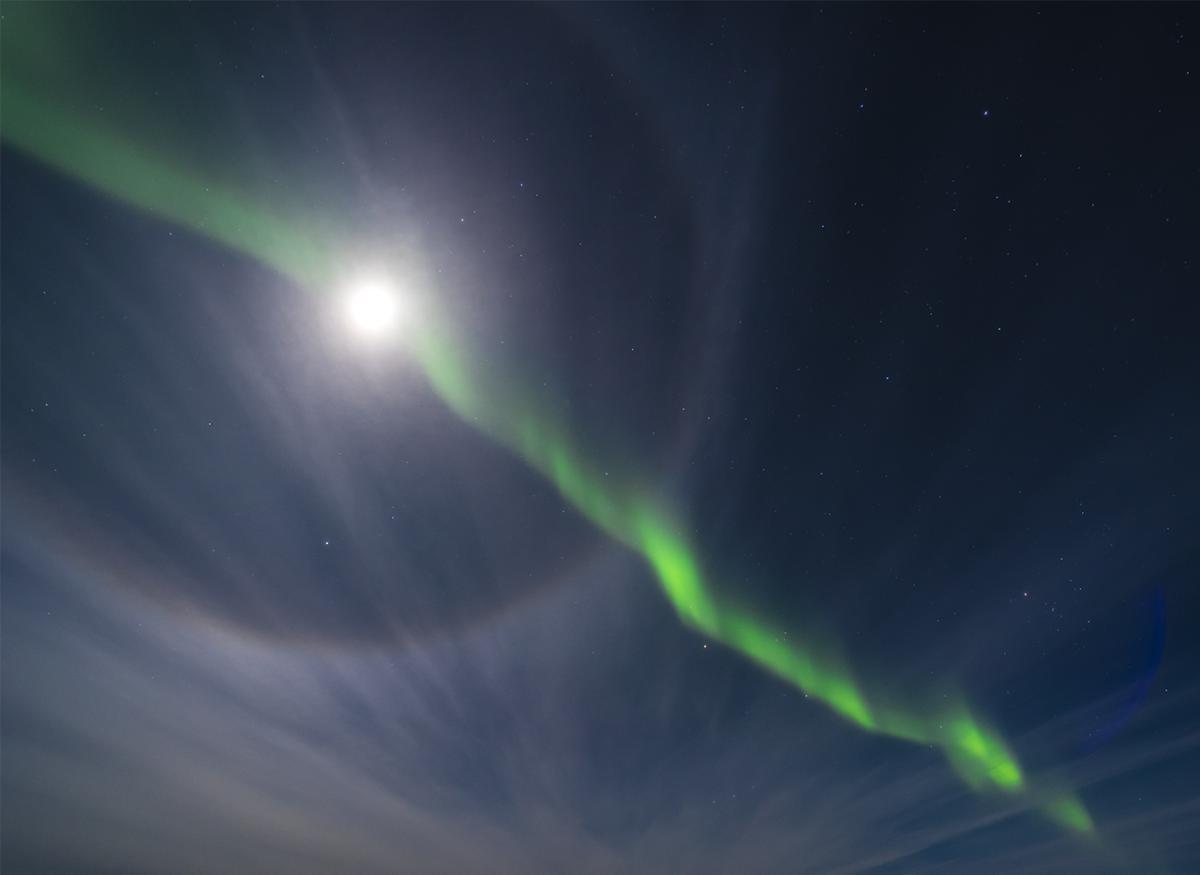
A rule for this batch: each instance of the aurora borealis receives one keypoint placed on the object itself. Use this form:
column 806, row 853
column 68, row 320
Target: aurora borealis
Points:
column 139, row 157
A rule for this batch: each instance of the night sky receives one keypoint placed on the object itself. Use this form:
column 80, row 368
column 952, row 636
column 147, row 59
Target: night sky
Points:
column 769, row 445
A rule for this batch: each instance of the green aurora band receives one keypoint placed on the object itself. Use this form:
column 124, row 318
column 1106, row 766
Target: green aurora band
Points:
column 136, row 170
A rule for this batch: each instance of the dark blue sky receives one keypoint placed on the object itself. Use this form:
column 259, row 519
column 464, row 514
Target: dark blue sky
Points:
column 896, row 304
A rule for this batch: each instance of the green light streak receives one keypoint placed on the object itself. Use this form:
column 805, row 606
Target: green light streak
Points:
column 979, row 756
column 1069, row 812
column 104, row 160
column 63, row 102
column 975, row 751
column 141, row 175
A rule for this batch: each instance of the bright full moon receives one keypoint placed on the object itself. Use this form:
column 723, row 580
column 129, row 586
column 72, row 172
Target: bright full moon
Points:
column 373, row 308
